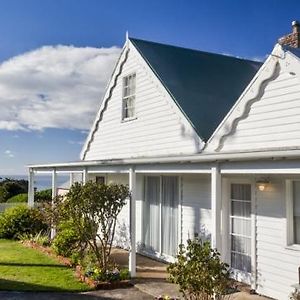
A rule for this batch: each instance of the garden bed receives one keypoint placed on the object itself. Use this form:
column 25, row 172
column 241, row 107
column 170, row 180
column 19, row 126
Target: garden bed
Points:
column 79, row 272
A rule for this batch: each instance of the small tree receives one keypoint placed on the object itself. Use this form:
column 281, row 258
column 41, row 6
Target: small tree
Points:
column 93, row 209
column 199, row 271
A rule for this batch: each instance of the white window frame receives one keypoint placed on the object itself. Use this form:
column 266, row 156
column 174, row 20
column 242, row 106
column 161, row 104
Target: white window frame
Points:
column 126, row 98
column 226, row 228
column 290, row 239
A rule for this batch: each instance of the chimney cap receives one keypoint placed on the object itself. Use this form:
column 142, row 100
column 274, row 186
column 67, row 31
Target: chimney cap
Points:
column 295, row 23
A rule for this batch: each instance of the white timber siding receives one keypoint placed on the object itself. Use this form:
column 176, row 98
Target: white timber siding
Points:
column 273, row 121
column 158, row 129
column 267, row 115
column 196, row 207
column 277, row 265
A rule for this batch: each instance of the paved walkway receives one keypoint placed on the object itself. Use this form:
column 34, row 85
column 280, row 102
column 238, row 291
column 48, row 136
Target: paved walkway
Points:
column 152, row 274
column 126, row 294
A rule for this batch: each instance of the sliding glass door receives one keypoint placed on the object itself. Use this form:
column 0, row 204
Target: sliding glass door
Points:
column 160, row 214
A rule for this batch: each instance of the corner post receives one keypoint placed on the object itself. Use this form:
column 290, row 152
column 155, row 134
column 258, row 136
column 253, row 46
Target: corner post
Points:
column 54, row 194
column 31, row 188
column 85, row 176
column 71, row 179
column 132, row 222
column 216, row 188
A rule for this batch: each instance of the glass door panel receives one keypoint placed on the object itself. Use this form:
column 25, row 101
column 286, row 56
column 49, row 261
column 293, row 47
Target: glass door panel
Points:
column 151, row 214
column 240, row 229
column 170, row 201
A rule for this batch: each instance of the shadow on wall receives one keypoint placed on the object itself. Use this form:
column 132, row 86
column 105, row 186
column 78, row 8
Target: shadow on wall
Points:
column 186, row 134
column 122, row 239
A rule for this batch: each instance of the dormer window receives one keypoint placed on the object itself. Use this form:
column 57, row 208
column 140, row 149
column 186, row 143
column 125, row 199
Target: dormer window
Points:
column 128, row 101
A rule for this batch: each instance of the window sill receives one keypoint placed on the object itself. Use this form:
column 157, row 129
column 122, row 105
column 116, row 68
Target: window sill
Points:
column 128, row 119
column 294, row 247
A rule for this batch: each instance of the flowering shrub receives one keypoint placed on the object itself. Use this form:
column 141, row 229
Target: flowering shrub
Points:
column 110, row 275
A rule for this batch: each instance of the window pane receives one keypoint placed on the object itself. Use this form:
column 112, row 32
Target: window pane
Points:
column 126, row 91
column 100, row 179
column 241, row 262
column 241, row 192
column 128, row 96
column 241, row 226
column 241, row 244
column 241, row 209
column 296, row 210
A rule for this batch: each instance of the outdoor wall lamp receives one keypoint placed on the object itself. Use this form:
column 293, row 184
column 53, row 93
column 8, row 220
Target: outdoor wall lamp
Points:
column 262, row 184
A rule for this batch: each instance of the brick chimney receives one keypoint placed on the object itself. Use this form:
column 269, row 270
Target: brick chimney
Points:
column 292, row 39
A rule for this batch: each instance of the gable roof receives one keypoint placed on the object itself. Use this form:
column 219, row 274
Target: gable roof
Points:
column 204, row 85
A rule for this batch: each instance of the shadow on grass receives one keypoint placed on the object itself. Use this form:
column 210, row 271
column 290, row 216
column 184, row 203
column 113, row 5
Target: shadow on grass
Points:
column 21, row 286
column 32, row 265
column 19, row 290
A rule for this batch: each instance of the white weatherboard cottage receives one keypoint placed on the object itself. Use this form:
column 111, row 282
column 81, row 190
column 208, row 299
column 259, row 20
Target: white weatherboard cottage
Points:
column 210, row 147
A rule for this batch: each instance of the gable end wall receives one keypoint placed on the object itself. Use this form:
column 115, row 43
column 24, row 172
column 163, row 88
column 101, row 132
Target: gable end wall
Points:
column 160, row 129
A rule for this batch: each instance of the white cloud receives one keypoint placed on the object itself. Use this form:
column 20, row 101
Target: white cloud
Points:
column 9, row 154
column 75, row 142
column 54, row 87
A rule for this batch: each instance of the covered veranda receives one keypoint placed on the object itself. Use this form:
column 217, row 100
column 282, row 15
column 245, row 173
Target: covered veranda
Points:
column 216, row 166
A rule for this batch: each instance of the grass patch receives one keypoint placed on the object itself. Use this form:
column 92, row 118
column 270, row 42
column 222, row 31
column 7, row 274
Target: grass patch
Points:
column 26, row 269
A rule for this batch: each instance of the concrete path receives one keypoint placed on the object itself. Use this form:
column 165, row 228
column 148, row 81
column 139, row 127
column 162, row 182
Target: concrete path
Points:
column 126, row 294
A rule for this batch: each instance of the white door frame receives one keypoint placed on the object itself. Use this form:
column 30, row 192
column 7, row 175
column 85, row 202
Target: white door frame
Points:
column 249, row 278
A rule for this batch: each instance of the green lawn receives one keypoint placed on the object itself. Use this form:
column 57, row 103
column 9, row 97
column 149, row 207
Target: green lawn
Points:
column 26, row 269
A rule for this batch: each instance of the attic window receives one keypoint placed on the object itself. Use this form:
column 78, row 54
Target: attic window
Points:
column 128, row 101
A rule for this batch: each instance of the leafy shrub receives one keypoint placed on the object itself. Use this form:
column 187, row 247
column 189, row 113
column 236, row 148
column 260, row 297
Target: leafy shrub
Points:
column 199, row 271
column 21, row 220
column 67, row 241
column 11, row 187
column 43, row 196
column 92, row 210
column 20, row 198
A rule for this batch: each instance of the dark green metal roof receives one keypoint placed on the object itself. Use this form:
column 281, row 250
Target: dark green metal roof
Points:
column 204, row 85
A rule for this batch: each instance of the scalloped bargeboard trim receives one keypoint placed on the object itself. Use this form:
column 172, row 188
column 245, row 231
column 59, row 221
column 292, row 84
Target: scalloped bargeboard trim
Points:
column 247, row 106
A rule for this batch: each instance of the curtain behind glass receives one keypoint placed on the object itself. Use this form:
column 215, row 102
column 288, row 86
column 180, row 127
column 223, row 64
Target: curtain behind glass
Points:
column 151, row 211
column 170, row 215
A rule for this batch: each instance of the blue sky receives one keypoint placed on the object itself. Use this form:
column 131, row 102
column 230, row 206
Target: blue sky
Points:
column 56, row 57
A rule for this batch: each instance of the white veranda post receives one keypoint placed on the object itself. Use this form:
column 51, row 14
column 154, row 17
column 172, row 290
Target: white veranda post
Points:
column 31, row 188
column 54, row 194
column 132, row 220
column 216, row 207
column 85, row 176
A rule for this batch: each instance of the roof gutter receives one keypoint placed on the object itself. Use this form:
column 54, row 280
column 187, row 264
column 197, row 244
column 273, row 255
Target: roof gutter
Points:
column 196, row 158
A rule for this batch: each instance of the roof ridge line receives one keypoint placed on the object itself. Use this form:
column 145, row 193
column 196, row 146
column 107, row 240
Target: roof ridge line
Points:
column 194, row 50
